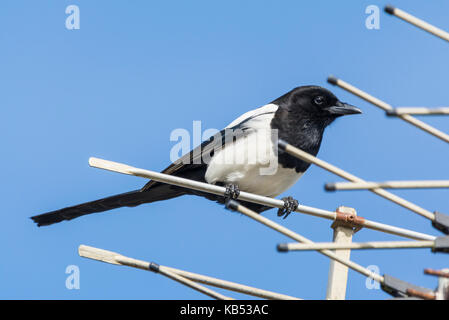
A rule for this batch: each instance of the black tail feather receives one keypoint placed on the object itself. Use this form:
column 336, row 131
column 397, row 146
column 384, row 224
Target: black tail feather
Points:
column 128, row 199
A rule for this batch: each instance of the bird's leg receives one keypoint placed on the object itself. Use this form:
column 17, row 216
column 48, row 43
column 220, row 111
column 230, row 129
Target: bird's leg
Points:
column 232, row 192
column 290, row 205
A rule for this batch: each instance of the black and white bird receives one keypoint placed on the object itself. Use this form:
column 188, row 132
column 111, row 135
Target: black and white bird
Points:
column 299, row 117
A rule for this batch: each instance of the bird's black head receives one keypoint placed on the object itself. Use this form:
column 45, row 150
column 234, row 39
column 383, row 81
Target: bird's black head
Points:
column 315, row 102
column 301, row 118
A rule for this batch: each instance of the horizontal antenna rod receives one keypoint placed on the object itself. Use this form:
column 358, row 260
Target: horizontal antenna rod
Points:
column 116, row 258
column 300, row 154
column 355, row 246
column 418, row 184
column 387, row 108
column 245, row 196
column 417, row 22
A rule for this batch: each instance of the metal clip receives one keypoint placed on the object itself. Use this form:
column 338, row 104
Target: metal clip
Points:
column 347, row 217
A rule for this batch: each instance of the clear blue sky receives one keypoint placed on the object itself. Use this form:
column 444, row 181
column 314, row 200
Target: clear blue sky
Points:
column 136, row 70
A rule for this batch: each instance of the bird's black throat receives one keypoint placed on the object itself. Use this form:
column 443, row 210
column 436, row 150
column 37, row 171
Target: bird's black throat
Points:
column 300, row 129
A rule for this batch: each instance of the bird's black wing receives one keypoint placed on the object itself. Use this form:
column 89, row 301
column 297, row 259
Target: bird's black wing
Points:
column 192, row 164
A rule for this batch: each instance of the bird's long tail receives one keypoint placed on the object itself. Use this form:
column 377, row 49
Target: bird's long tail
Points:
column 129, row 199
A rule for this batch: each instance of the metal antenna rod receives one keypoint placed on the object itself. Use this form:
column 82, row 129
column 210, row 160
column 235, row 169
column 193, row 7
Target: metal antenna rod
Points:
column 419, row 111
column 387, row 108
column 245, row 196
column 346, row 175
column 283, row 247
column 419, row 184
column 417, row 22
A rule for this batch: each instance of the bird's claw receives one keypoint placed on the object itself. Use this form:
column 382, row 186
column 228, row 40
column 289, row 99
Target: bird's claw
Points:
column 290, row 205
column 232, row 192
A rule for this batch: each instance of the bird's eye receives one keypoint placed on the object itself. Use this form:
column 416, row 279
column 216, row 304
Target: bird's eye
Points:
column 318, row 100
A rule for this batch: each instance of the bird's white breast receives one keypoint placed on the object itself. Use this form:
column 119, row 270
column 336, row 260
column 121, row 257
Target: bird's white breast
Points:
column 250, row 162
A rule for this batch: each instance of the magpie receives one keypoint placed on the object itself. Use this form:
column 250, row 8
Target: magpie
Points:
column 299, row 117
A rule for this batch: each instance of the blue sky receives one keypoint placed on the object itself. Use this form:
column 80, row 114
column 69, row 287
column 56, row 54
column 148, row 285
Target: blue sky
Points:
column 137, row 70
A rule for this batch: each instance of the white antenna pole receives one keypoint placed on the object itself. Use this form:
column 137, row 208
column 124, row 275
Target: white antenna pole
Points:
column 338, row 273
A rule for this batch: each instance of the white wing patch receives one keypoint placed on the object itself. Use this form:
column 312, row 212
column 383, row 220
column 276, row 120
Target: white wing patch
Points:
column 241, row 162
column 261, row 114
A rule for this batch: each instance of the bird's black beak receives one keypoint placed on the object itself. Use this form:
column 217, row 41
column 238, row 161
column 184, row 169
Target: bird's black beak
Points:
column 341, row 109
